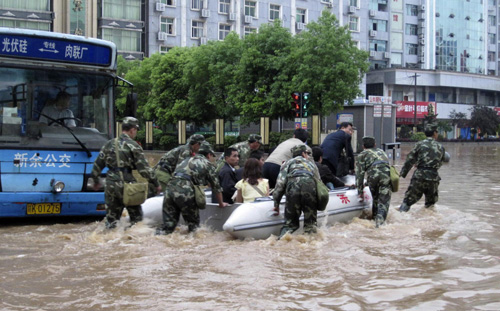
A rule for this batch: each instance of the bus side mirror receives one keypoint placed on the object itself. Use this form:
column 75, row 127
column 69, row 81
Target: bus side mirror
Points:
column 131, row 105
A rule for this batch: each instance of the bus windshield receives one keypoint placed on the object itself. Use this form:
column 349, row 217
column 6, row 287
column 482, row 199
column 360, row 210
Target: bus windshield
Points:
column 43, row 106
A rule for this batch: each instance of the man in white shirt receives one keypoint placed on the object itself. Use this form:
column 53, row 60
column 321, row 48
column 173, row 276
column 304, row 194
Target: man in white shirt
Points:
column 281, row 154
column 58, row 110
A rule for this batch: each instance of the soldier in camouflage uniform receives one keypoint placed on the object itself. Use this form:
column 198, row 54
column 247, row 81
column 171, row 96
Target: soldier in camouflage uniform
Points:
column 131, row 157
column 179, row 195
column 169, row 161
column 296, row 180
column 244, row 149
column 374, row 163
column 428, row 156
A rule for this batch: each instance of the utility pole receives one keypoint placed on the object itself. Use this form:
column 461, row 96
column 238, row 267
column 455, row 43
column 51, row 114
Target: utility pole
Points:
column 415, row 108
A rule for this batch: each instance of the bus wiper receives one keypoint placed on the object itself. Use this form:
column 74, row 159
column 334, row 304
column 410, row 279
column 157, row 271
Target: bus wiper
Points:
column 63, row 124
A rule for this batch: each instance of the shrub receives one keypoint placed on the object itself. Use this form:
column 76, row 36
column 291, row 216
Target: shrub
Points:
column 418, row 136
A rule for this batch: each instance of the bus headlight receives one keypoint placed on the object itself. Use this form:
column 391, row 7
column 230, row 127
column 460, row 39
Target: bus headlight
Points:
column 57, row 186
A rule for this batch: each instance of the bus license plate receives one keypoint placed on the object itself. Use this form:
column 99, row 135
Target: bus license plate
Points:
column 43, row 208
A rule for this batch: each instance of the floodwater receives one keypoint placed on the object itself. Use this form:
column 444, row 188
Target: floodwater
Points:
column 445, row 258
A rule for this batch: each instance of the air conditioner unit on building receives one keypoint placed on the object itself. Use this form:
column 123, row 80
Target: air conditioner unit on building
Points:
column 387, row 55
column 422, row 7
column 203, row 40
column 160, row 7
column 352, row 9
column 329, row 5
column 248, row 19
column 232, row 16
column 372, row 33
column 162, row 36
column 300, row 26
column 205, row 13
column 373, row 53
column 372, row 13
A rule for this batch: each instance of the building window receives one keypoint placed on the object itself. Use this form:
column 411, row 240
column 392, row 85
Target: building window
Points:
column 40, row 5
column 491, row 56
column 378, row 24
column 249, row 30
column 250, row 8
column 301, row 16
column 378, row 45
column 492, row 38
column 167, row 25
column 196, row 4
column 411, row 29
column 224, row 30
column 354, row 3
column 197, row 29
column 125, row 40
column 411, row 49
column 168, row 2
column 492, row 20
column 411, row 10
column 122, row 9
column 274, row 11
column 224, row 6
column 357, row 44
column 24, row 24
column 353, row 23
column 164, row 49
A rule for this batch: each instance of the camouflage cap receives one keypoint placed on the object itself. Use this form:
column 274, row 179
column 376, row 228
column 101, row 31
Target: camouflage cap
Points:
column 368, row 140
column 430, row 127
column 196, row 138
column 255, row 138
column 298, row 149
column 131, row 121
column 206, row 148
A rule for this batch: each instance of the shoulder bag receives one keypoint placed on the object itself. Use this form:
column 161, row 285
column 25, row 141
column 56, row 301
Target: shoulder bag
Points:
column 322, row 191
column 134, row 193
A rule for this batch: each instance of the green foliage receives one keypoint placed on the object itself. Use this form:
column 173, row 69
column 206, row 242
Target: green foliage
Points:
column 485, row 119
column 418, row 136
column 329, row 65
column 276, row 138
column 459, row 119
column 406, row 131
column 168, row 142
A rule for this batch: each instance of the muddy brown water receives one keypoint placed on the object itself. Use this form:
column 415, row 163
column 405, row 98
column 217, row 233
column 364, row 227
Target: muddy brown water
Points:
column 446, row 258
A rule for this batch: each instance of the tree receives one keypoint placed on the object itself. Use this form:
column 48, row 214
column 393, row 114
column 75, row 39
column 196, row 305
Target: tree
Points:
column 209, row 74
column 329, row 64
column 262, row 81
column 169, row 92
column 123, row 67
column 459, row 119
column 485, row 119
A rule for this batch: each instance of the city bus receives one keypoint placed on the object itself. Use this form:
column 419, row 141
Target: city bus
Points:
column 47, row 149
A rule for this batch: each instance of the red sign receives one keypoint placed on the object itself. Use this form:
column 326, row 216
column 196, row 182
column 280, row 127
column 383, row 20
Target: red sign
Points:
column 497, row 109
column 406, row 109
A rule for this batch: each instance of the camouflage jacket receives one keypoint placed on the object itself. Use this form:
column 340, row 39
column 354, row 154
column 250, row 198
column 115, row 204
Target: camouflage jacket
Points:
column 297, row 166
column 201, row 171
column 243, row 151
column 131, row 157
column 171, row 159
column 369, row 161
column 427, row 156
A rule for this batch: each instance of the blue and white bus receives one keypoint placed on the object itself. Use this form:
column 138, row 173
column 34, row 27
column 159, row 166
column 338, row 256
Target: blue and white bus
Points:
column 44, row 166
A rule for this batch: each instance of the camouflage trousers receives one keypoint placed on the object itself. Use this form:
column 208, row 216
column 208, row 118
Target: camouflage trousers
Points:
column 113, row 197
column 179, row 200
column 301, row 197
column 419, row 187
column 380, row 187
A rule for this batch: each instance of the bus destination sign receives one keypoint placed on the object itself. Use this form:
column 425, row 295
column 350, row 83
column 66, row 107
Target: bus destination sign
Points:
column 55, row 49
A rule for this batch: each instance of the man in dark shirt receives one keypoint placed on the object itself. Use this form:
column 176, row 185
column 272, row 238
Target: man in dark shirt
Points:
column 333, row 145
column 227, row 175
column 330, row 180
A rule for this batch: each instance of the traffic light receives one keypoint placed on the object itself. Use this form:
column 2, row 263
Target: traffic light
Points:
column 305, row 105
column 296, row 104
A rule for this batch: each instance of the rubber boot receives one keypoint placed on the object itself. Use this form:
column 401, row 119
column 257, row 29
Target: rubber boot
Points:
column 404, row 208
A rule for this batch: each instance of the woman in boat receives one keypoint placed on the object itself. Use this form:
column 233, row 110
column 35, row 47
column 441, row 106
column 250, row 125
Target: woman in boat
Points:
column 252, row 185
